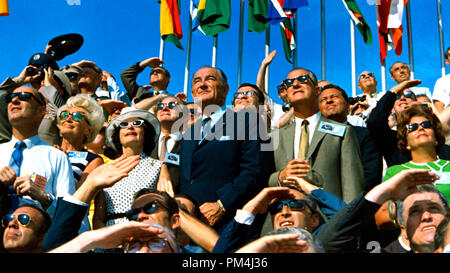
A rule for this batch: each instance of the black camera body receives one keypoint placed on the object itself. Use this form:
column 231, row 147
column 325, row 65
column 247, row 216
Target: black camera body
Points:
column 286, row 107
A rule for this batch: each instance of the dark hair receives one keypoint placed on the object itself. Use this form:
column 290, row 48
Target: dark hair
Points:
column 342, row 91
column 441, row 232
column 259, row 93
column 446, row 52
column 166, row 72
column 47, row 220
column 405, row 117
column 169, row 202
column 149, row 134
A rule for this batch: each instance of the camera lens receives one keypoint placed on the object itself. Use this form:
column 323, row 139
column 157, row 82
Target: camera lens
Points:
column 31, row 71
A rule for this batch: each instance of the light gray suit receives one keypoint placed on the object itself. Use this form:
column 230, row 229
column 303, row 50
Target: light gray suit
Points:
column 335, row 159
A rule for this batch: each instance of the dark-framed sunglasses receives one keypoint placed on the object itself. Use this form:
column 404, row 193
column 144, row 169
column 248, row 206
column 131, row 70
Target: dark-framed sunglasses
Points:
column 293, row 204
column 155, row 245
column 363, row 76
column 354, row 100
column 171, row 105
column 245, row 93
column 73, row 76
column 302, row 79
column 134, row 123
column 24, row 96
column 407, row 95
column 76, row 116
column 414, row 126
column 149, row 208
column 23, row 219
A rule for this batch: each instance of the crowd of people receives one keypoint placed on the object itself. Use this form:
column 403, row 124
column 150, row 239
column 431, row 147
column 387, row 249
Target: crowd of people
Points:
column 87, row 167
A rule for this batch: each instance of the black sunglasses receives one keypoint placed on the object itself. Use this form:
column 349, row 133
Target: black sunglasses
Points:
column 407, row 95
column 414, row 126
column 171, row 105
column 73, row 76
column 363, row 76
column 246, row 93
column 302, row 79
column 149, row 208
column 134, row 123
column 23, row 219
column 354, row 100
column 24, row 96
column 293, row 204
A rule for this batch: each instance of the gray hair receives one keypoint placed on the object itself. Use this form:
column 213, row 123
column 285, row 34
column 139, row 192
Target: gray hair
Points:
column 421, row 189
column 304, row 235
column 310, row 74
column 94, row 116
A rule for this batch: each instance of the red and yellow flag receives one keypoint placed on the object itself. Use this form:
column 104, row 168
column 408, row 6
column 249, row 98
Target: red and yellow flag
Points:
column 4, row 10
column 170, row 25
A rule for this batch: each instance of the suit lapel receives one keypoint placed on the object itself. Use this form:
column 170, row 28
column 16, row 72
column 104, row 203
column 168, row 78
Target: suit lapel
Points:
column 217, row 130
column 316, row 139
column 287, row 139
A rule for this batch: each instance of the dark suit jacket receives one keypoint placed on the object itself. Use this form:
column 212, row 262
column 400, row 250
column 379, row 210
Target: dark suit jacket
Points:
column 370, row 156
column 225, row 166
column 174, row 170
column 65, row 224
column 128, row 77
column 385, row 138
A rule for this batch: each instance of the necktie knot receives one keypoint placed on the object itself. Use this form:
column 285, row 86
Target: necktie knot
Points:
column 20, row 145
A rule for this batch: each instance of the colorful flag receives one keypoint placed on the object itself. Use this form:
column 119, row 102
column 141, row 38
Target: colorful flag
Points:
column 358, row 19
column 287, row 36
column 195, row 20
column 389, row 22
column 257, row 12
column 4, row 9
column 279, row 10
column 214, row 16
column 170, row 25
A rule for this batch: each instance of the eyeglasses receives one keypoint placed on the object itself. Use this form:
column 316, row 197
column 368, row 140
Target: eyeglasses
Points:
column 171, row 105
column 155, row 245
column 293, row 204
column 363, row 76
column 407, row 95
column 134, row 123
column 414, row 126
column 24, row 96
column 149, row 208
column 354, row 100
column 302, row 79
column 245, row 93
column 76, row 116
column 23, row 219
column 73, row 76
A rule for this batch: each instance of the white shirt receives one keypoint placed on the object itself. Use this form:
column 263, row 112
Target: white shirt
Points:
column 44, row 160
column 441, row 90
column 313, row 120
column 421, row 91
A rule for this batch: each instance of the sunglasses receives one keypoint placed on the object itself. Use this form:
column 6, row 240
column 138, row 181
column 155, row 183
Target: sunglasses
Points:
column 293, row 204
column 241, row 94
column 23, row 219
column 73, row 76
column 149, row 208
column 171, row 105
column 363, row 76
column 354, row 100
column 414, row 126
column 134, row 123
column 407, row 95
column 155, row 245
column 76, row 116
column 302, row 79
column 24, row 96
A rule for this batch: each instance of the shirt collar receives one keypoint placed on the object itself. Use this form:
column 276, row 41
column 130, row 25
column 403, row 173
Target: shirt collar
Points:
column 29, row 142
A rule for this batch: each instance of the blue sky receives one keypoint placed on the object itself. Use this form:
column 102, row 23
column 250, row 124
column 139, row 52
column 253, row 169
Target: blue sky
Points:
column 119, row 33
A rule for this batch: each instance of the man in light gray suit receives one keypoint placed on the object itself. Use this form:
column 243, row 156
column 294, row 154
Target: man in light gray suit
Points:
column 314, row 147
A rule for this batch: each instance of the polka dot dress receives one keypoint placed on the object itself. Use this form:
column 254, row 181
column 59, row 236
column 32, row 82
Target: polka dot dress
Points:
column 119, row 197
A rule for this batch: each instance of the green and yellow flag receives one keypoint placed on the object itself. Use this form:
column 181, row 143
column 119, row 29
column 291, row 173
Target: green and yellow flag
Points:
column 170, row 25
column 257, row 13
column 214, row 16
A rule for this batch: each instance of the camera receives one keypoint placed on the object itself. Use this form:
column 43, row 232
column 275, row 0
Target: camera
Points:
column 286, row 107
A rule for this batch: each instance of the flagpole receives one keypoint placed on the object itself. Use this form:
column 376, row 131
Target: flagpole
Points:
column 161, row 49
column 188, row 53
column 441, row 37
column 352, row 39
column 240, row 42
column 214, row 53
column 383, row 76
column 410, row 42
column 322, row 26
column 267, row 51
column 294, row 63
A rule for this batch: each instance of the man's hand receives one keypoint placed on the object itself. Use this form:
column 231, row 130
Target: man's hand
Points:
column 279, row 243
column 7, row 176
column 165, row 181
column 296, row 168
column 400, row 185
column 211, row 213
column 260, row 203
column 398, row 89
column 111, row 106
column 151, row 62
column 269, row 58
column 49, row 78
column 25, row 78
column 182, row 96
column 299, row 183
column 24, row 186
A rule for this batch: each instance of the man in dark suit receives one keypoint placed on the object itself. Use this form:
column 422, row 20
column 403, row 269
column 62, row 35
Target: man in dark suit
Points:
column 219, row 163
column 334, row 105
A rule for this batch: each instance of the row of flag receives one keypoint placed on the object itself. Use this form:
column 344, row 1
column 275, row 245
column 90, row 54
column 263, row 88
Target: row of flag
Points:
column 212, row 17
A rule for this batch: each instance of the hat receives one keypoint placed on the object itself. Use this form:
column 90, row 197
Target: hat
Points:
column 63, row 81
column 72, row 68
column 43, row 60
column 129, row 112
column 64, row 45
